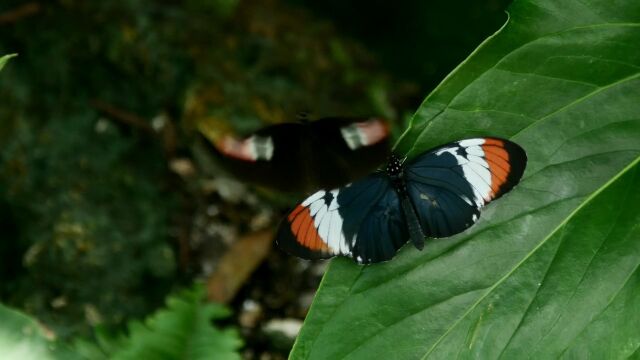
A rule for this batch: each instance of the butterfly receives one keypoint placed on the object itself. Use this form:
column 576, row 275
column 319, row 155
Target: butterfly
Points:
column 306, row 156
column 437, row 194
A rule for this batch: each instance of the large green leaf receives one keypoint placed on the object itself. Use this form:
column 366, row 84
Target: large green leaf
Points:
column 551, row 268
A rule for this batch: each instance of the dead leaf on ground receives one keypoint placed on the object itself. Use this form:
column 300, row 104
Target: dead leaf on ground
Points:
column 235, row 267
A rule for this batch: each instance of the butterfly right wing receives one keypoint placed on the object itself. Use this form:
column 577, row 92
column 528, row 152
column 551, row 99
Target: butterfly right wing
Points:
column 362, row 220
column 449, row 185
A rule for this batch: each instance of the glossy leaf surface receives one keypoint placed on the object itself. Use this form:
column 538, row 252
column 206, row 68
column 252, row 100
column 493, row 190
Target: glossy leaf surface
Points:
column 551, row 269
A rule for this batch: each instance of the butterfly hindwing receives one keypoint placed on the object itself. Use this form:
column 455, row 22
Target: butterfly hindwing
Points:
column 449, row 185
column 358, row 221
column 382, row 232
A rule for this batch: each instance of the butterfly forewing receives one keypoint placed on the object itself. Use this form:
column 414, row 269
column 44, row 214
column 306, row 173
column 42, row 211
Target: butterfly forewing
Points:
column 449, row 185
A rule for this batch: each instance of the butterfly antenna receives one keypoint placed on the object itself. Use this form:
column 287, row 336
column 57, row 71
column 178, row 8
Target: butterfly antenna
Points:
column 303, row 116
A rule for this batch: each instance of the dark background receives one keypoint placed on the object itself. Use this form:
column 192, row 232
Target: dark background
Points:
column 108, row 204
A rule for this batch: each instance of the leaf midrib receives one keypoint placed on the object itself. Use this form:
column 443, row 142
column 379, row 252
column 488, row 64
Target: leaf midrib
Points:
column 622, row 286
column 575, row 102
column 526, row 311
column 586, row 270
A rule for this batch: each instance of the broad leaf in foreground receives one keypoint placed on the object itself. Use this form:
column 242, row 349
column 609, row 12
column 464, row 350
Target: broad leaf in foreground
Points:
column 551, row 269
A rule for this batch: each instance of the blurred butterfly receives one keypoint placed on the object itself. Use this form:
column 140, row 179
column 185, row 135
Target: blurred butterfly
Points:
column 308, row 155
column 437, row 194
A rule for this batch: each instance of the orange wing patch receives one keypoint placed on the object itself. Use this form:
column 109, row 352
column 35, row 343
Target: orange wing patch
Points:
column 238, row 149
column 304, row 229
column 373, row 131
column 498, row 160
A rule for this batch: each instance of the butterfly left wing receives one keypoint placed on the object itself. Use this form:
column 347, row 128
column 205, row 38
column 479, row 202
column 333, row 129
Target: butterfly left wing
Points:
column 449, row 185
column 362, row 220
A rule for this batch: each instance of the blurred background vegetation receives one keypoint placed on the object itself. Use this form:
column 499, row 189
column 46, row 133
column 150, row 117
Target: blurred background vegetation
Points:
column 108, row 205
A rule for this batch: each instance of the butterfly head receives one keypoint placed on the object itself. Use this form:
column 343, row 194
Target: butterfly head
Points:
column 303, row 117
column 394, row 166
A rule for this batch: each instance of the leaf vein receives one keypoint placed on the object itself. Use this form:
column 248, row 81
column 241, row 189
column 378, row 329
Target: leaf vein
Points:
column 534, row 74
column 624, row 283
column 576, row 102
column 533, row 298
column 467, row 236
column 611, row 227
column 498, row 63
column 408, row 315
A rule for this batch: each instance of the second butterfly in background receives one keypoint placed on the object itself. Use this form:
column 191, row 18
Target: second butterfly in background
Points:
column 305, row 156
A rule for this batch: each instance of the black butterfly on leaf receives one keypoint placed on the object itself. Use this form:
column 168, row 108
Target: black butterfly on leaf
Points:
column 305, row 156
column 437, row 194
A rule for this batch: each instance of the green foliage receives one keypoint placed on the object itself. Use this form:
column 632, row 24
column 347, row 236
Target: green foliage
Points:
column 85, row 203
column 23, row 338
column 98, row 224
column 182, row 330
column 551, row 269
column 88, row 206
column 4, row 59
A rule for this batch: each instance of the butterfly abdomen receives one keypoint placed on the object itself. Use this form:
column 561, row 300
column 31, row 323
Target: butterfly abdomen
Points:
column 413, row 225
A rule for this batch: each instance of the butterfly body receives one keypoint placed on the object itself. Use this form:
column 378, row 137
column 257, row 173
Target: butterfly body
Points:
column 437, row 194
column 395, row 172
